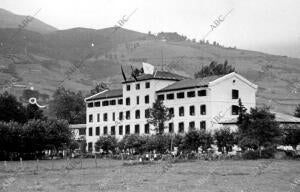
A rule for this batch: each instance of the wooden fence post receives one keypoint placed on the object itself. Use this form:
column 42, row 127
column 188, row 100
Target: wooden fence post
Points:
column 96, row 160
column 21, row 163
column 37, row 164
column 5, row 165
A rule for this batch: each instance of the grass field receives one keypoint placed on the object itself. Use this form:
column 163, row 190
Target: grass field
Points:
column 112, row 175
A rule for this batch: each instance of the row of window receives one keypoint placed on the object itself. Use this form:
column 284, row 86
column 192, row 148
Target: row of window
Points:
column 181, row 129
column 181, row 95
column 105, row 103
column 146, row 100
column 138, row 86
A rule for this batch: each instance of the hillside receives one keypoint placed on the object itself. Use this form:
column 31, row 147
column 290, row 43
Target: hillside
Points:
column 43, row 61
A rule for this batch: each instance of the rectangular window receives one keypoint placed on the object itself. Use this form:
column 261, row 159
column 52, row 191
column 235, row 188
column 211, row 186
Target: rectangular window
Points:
column 202, row 125
column 137, row 129
column 192, row 125
column 137, row 86
column 127, row 115
column 90, row 118
column 120, row 130
column 171, row 127
column 91, row 104
column 180, row 95
column 98, row 117
column 112, row 102
column 203, row 109
column 147, row 99
column 147, row 113
column 90, row 131
column 191, row 94
column 181, row 127
column 120, row 101
column 147, row 85
column 181, row 111
column 137, row 100
column 235, row 94
column 170, row 96
column 192, row 110
column 114, row 116
column 105, row 117
column 105, row 103
column 234, row 110
column 128, row 87
column 202, row 93
column 171, row 111
column 128, row 101
column 105, row 130
column 147, row 130
column 113, row 130
column 90, row 146
column 127, row 129
column 161, row 97
column 97, row 104
column 82, row 131
column 120, row 116
column 137, row 114
column 97, row 131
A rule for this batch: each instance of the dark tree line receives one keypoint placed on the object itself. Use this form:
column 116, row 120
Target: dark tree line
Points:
column 214, row 69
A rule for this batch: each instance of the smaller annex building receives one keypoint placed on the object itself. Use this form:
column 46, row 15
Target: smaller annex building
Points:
column 195, row 103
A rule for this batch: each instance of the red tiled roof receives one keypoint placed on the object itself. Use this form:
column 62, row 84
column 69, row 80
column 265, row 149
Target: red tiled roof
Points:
column 189, row 83
column 163, row 75
column 107, row 94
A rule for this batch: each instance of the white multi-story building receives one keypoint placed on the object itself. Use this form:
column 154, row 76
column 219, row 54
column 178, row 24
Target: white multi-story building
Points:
column 196, row 103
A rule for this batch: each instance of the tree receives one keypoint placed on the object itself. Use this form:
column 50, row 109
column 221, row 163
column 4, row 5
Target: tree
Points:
column 106, row 143
column 258, row 129
column 34, row 112
column 158, row 115
column 197, row 138
column 297, row 111
column 291, row 136
column 68, row 105
column 99, row 87
column 214, row 69
column 225, row 139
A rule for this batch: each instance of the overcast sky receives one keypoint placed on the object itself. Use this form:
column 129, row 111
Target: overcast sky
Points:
column 271, row 26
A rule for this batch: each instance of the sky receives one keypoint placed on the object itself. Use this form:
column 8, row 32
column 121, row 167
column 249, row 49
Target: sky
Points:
column 271, row 26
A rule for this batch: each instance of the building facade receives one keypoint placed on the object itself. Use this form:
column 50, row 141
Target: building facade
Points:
column 195, row 103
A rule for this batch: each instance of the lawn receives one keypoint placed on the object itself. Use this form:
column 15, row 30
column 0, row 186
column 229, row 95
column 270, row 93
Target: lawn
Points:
column 112, row 175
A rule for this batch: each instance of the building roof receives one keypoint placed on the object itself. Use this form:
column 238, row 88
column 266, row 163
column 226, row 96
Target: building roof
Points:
column 190, row 83
column 161, row 75
column 106, row 94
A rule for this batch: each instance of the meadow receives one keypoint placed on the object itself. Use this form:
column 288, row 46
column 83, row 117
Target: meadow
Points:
column 113, row 175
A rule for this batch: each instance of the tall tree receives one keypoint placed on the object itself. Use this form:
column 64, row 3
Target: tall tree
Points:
column 214, row 69
column 292, row 135
column 158, row 115
column 34, row 112
column 225, row 139
column 99, row 87
column 297, row 111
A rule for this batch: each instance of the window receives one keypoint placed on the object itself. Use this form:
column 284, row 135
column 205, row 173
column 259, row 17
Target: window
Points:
column 171, row 128
column 82, row 131
column 192, row 110
column 120, row 130
column 202, row 93
column 181, row 111
column 120, row 101
column 235, row 94
column 147, row 99
column 97, row 104
column 161, row 97
column 147, row 85
column 97, row 131
column 105, row 117
column 147, row 113
column 90, row 131
column 137, row 100
column 128, row 101
column 91, row 118
column 202, row 125
column 181, row 127
column 120, row 116
column 147, row 130
column 137, row 114
column 235, row 110
column 105, row 130
column 127, row 129
column 112, row 102
column 90, row 146
column 192, row 125
column 127, row 115
column 180, row 95
column 105, row 103
column 91, row 104
column 203, row 109
column 113, row 130
column 114, row 116
column 191, row 94
column 128, row 87
column 137, row 129
column 170, row 96
column 137, row 86
column 171, row 111
column 98, row 117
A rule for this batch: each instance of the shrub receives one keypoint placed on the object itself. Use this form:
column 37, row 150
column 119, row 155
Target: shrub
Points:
column 106, row 143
